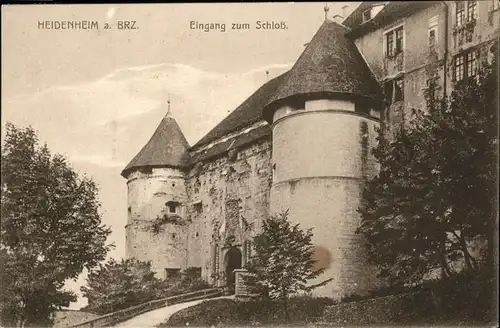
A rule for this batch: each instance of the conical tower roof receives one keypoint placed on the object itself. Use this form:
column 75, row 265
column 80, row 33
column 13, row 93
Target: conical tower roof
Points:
column 167, row 147
column 331, row 64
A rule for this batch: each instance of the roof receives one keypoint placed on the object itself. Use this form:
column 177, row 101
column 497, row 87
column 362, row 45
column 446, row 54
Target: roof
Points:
column 260, row 132
column 392, row 11
column 167, row 147
column 249, row 112
column 331, row 64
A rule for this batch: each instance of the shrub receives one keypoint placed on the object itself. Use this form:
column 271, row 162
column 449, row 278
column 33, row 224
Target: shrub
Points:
column 167, row 289
column 250, row 312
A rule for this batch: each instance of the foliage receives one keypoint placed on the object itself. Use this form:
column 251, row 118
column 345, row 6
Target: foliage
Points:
column 161, row 220
column 283, row 262
column 50, row 230
column 435, row 195
column 470, row 303
column 168, row 289
column 252, row 312
column 119, row 285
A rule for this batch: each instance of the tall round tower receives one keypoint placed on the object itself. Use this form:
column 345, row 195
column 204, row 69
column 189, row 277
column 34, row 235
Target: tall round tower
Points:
column 323, row 119
column 156, row 225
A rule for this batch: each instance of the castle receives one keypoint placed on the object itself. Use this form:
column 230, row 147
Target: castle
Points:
column 301, row 142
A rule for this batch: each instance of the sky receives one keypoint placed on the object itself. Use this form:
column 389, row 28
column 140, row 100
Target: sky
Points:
column 97, row 95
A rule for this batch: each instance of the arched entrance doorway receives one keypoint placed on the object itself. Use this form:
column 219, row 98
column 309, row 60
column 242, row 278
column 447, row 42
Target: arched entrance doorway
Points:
column 233, row 261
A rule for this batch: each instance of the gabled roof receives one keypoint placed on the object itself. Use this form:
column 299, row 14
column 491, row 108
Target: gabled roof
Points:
column 392, row 11
column 249, row 112
column 331, row 64
column 167, row 147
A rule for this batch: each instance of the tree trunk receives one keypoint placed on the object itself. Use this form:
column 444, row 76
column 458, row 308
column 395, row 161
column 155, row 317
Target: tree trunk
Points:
column 285, row 306
column 469, row 260
column 437, row 298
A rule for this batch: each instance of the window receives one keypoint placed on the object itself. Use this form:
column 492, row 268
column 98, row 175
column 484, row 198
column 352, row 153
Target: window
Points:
column 390, row 44
column 394, row 42
column 398, row 89
column 432, row 37
column 172, row 274
column 459, row 68
column 465, row 65
column 471, row 10
column 394, row 90
column 399, row 40
column 460, row 14
column 466, row 11
column 172, row 207
column 471, row 64
column 198, row 207
column 388, row 90
column 367, row 15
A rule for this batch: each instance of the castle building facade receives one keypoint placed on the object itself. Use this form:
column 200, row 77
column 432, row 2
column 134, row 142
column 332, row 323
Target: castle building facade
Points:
column 301, row 142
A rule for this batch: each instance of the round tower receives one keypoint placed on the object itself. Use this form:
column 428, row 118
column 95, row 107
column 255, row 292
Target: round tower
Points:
column 156, row 225
column 323, row 119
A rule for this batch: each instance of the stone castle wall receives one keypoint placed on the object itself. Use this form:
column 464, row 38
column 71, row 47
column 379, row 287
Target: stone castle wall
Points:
column 228, row 198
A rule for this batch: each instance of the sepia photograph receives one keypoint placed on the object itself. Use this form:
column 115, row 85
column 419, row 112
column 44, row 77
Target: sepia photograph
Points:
column 273, row 164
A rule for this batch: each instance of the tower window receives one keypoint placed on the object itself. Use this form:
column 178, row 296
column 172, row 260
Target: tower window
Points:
column 198, row 207
column 172, row 207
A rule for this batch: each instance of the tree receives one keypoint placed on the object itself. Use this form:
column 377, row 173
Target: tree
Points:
column 51, row 229
column 283, row 260
column 119, row 285
column 434, row 198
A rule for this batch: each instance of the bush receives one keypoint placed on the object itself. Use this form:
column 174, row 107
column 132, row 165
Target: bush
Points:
column 250, row 312
column 168, row 289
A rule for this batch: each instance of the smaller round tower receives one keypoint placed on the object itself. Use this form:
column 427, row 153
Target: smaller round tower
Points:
column 157, row 221
column 323, row 119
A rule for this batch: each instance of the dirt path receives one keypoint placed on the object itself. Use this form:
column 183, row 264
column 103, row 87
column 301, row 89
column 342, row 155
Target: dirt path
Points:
column 153, row 318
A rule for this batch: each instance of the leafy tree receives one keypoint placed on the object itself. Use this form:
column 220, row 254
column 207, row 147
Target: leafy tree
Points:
column 119, row 285
column 50, row 229
column 283, row 260
column 434, row 198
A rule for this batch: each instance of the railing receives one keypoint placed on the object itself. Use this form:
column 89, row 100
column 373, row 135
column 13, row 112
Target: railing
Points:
column 117, row 317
